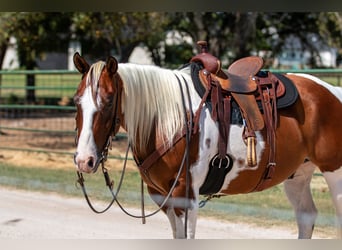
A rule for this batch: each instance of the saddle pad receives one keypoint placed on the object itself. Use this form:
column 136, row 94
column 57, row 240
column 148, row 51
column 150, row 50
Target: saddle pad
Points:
column 291, row 93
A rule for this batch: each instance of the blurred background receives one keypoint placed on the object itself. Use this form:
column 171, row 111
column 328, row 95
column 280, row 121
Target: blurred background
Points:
column 38, row 78
column 45, row 40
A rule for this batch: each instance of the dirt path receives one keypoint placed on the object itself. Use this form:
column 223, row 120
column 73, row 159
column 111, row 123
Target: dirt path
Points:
column 34, row 215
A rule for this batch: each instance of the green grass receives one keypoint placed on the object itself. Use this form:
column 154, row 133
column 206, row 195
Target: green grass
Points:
column 63, row 181
column 266, row 208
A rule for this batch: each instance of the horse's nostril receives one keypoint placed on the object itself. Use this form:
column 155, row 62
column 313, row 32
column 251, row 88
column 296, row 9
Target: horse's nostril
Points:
column 91, row 162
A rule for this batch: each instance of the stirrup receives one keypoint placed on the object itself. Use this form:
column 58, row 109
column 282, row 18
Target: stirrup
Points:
column 251, row 151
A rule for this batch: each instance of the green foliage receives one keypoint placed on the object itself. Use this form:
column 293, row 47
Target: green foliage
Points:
column 119, row 33
column 12, row 99
column 230, row 35
column 176, row 55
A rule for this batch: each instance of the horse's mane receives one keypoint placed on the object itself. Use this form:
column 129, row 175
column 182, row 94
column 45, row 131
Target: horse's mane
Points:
column 151, row 97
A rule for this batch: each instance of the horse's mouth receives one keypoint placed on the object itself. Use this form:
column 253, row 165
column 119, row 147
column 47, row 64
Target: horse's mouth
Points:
column 90, row 165
column 85, row 169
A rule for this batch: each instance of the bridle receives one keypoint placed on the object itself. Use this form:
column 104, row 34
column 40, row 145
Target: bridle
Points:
column 104, row 155
column 110, row 184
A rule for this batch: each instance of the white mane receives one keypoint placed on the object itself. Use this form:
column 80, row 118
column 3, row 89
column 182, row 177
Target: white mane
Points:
column 151, row 97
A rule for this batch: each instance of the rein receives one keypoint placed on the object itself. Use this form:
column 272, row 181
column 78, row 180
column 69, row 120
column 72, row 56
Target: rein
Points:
column 108, row 181
column 110, row 185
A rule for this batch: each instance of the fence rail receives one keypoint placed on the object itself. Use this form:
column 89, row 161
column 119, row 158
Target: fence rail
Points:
column 48, row 125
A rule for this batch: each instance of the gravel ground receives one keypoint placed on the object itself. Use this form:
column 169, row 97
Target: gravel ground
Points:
column 34, row 215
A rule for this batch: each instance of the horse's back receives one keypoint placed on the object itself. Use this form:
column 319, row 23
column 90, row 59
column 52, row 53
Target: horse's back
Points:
column 321, row 120
column 337, row 91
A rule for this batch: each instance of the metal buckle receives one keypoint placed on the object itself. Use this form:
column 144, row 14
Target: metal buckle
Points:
column 226, row 159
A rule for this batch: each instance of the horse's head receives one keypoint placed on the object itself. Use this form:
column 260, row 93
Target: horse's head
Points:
column 97, row 100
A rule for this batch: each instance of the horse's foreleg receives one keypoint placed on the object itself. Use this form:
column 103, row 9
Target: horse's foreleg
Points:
column 192, row 217
column 178, row 221
column 334, row 181
column 174, row 210
column 176, row 224
column 299, row 194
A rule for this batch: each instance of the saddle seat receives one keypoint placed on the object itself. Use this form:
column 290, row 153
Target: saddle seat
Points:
column 241, row 74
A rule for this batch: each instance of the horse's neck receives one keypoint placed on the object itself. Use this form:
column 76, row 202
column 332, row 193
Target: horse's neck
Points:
column 141, row 152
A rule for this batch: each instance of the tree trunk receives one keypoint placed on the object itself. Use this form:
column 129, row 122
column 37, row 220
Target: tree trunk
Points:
column 245, row 33
column 126, row 51
column 27, row 60
column 3, row 48
column 30, row 90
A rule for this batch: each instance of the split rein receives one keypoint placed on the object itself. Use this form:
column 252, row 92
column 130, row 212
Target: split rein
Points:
column 110, row 183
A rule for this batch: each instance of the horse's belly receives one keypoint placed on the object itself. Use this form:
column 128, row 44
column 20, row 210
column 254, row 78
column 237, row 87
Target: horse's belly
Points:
column 242, row 178
column 241, row 173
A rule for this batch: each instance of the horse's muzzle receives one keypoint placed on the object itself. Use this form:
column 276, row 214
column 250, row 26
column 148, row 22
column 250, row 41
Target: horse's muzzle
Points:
column 87, row 165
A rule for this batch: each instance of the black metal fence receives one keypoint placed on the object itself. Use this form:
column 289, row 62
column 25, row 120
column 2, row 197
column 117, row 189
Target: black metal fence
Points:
column 45, row 124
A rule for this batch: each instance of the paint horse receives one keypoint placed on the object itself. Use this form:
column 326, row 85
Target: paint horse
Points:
column 156, row 106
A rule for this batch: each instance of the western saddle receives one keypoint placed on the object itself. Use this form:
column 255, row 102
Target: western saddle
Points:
column 241, row 83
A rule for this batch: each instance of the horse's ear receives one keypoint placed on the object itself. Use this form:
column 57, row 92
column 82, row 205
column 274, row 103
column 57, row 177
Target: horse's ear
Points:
column 80, row 63
column 112, row 65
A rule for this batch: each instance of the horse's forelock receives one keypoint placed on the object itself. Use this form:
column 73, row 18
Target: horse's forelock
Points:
column 93, row 77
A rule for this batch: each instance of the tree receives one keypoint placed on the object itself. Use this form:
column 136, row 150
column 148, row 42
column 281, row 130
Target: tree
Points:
column 4, row 38
column 325, row 27
column 229, row 35
column 119, row 33
column 37, row 33
column 235, row 35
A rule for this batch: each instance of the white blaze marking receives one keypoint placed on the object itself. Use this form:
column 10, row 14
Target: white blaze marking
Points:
column 86, row 145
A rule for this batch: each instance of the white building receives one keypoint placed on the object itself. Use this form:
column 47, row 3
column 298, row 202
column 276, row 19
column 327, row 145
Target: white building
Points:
column 296, row 56
column 11, row 56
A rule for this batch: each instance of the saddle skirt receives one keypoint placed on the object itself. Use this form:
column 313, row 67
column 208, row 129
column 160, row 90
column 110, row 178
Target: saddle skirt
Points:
column 286, row 91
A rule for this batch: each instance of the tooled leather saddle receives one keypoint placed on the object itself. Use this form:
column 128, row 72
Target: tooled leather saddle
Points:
column 258, row 95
